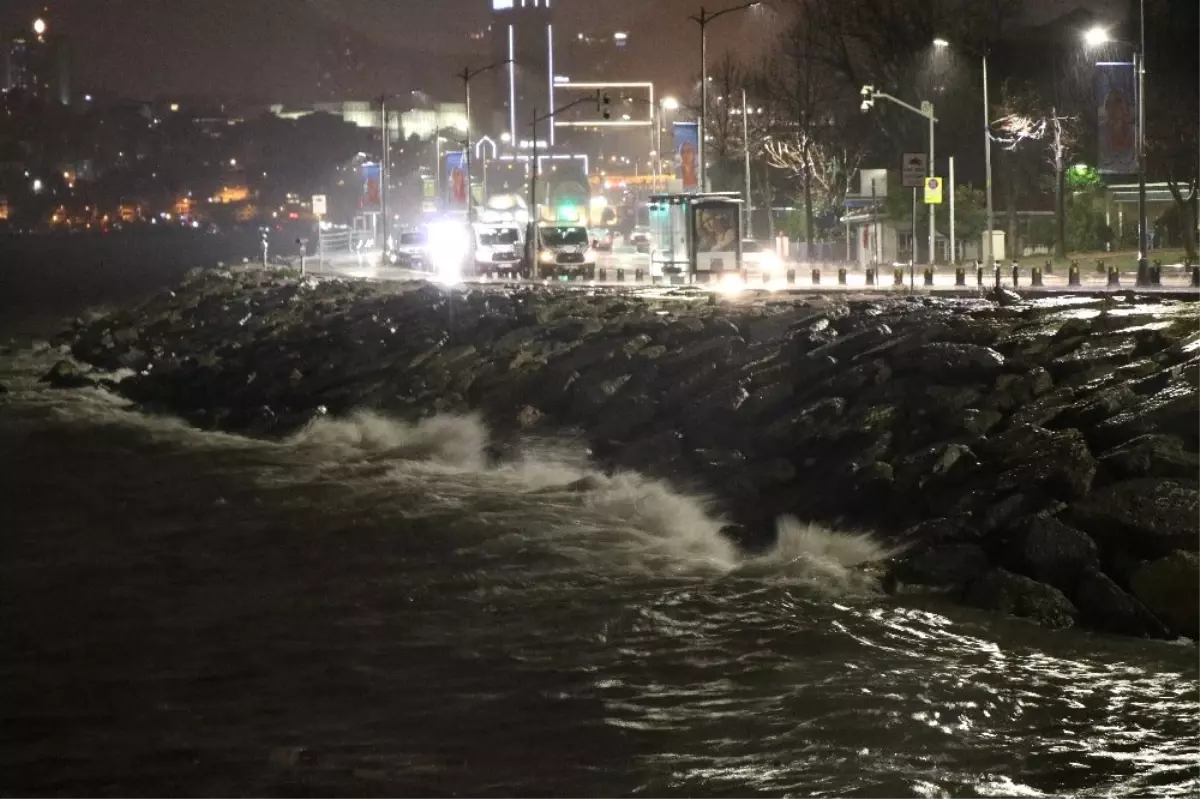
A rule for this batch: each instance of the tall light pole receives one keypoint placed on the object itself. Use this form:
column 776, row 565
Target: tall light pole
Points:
column 1095, row 38
column 702, row 19
column 385, row 156
column 987, row 167
column 466, row 76
column 746, row 154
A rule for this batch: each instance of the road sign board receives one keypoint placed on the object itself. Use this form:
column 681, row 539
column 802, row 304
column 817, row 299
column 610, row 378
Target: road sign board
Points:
column 913, row 171
column 319, row 208
column 933, row 191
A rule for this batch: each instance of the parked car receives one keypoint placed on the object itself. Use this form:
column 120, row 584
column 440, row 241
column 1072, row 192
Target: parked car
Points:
column 640, row 238
column 759, row 257
column 602, row 238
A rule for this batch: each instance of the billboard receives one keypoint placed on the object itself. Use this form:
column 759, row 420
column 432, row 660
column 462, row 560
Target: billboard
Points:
column 687, row 153
column 456, row 180
column 1116, row 119
column 370, row 198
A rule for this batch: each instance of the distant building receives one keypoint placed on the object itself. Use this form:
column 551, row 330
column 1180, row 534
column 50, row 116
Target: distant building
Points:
column 523, row 35
column 36, row 64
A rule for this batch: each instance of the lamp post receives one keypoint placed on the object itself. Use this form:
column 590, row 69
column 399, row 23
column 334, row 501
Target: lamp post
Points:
column 926, row 110
column 667, row 104
column 466, row 76
column 1097, row 37
column 702, row 19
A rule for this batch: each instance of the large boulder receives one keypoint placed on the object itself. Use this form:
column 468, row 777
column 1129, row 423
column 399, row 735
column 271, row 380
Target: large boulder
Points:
column 1152, row 455
column 1057, row 463
column 1105, row 607
column 1053, row 553
column 1148, row 517
column 1169, row 587
column 64, row 374
column 944, row 565
column 1004, row 592
column 950, row 363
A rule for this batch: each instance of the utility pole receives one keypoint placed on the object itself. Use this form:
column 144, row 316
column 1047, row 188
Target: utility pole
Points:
column 932, row 207
column 383, row 174
column 953, row 248
column 987, row 161
column 746, row 148
column 702, row 19
column 533, row 214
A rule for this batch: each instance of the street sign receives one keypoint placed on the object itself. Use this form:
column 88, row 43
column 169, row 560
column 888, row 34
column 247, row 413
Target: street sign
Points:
column 933, row 191
column 913, row 171
column 319, row 205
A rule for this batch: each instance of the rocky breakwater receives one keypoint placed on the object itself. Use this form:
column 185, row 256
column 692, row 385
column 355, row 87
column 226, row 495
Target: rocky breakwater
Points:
column 1037, row 460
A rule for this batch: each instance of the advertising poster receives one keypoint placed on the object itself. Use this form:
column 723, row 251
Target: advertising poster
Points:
column 687, row 153
column 370, row 199
column 456, row 180
column 717, row 228
column 1116, row 119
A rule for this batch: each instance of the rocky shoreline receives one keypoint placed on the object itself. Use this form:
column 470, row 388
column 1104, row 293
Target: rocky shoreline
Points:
column 1033, row 458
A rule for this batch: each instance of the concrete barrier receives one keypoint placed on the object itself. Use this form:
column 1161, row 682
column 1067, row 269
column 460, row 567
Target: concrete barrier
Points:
column 1156, row 274
column 1016, row 275
column 898, row 276
column 1073, row 274
column 1114, row 277
column 842, row 276
column 960, row 276
column 928, row 273
column 816, row 277
column 1196, row 276
column 637, row 275
column 620, row 275
column 791, row 277
column 1049, row 268
column 979, row 275
column 997, row 275
column 1035, row 276
column 1100, row 268
column 870, row 276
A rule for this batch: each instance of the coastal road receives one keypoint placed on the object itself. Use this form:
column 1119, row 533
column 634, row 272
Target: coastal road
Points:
column 366, row 266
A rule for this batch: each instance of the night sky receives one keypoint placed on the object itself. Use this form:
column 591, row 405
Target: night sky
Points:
column 275, row 49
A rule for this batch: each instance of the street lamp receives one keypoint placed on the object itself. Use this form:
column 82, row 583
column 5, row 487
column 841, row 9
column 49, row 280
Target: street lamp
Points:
column 1097, row 37
column 666, row 104
column 466, row 76
column 940, row 43
column 702, row 19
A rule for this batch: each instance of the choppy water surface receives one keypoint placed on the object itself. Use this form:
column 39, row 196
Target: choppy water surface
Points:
column 371, row 609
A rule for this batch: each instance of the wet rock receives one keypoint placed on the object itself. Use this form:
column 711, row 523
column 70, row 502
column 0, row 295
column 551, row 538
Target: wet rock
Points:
column 947, row 362
column 1152, row 455
column 766, row 400
column 1173, row 408
column 1148, row 517
column 979, row 421
column 590, row 393
column 945, row 565
column 805, row 422
column 1105, row 607
column 1169, row 588
column 1004, row 297
column 64, row 374
column 625, row 415
column 1054, row 553
column 1002, row 591
column 1057, row 463
column 529, row 416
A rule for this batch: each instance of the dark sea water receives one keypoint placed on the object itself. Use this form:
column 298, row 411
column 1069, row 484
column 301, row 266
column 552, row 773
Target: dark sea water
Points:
column 374, row 609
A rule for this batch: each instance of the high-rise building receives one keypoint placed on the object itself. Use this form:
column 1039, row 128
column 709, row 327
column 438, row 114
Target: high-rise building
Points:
column 523, row 35
column 35, row 64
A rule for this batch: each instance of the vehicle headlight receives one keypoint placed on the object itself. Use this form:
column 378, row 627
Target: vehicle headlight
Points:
column 547, row 257
column 769, row 261
column 589, row 256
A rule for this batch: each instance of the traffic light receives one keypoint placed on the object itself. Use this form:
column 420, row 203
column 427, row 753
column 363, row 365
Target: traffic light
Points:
column 605, row 109
column 868, row 92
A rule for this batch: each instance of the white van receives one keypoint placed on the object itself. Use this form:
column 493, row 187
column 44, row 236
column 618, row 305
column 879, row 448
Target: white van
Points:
column 565, row 250
column 499, row 248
